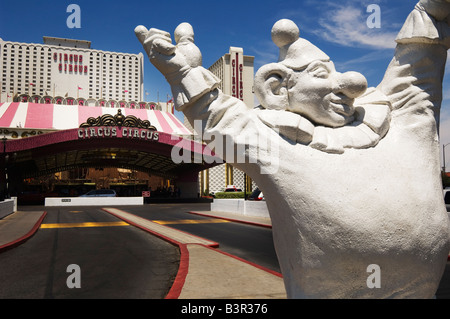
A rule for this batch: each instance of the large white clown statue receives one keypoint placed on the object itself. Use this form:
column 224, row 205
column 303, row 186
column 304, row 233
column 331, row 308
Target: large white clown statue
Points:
column 357, row 181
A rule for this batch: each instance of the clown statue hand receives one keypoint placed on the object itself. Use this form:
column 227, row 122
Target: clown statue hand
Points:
column 180, row 64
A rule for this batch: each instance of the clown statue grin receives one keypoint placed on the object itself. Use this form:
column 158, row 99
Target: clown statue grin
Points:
column 358, row 176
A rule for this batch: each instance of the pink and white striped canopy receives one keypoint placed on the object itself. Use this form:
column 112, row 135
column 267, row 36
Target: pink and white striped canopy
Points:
column 63, row 117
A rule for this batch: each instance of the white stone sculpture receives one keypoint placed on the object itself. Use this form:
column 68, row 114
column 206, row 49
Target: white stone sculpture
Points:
column 358, row 179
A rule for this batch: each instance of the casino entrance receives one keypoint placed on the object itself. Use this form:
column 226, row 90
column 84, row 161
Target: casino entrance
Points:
column 81, row 180
column 61, row 164
column 122, row 153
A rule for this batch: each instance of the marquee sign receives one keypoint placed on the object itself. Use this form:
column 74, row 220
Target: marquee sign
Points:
column 112, row 132
column 237, row 84
column 118, row 125
column 72, row 63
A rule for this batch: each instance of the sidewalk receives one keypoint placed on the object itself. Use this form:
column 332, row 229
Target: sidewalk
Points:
column 215, row 275
column 17, row 227
column 208, row 273
column 258, row 221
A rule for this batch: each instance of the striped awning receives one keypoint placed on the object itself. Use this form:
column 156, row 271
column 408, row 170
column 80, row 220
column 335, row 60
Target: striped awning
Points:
column 63, row 117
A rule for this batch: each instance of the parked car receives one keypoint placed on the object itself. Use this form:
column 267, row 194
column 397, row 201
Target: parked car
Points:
column 447, row 198
column 256, row 195
column 232, row 188
column 100, row 193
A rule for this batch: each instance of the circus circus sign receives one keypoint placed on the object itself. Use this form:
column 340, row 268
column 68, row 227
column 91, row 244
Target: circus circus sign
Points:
column 112, row 132
column 107, row 126
column 72, row 63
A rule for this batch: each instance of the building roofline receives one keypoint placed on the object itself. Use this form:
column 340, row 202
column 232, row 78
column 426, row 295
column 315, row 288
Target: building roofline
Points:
column 70, row 48
column 88, row 43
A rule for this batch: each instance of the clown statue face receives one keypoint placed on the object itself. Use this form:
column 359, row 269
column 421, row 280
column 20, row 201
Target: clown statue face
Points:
column 306, row 82
column 323, row 95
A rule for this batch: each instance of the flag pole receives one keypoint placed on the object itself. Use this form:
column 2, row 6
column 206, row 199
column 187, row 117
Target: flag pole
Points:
column 30, row 84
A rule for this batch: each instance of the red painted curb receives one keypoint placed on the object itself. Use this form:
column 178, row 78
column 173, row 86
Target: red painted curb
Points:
column 183, row 270
column 273, row 272
column 170, row 240
column 24, row 238
column 232, row 219
column 183, row 267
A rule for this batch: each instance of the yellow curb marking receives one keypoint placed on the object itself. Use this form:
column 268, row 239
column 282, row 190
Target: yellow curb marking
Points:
column 90, row 224
column 190, row 221
column 122, row 223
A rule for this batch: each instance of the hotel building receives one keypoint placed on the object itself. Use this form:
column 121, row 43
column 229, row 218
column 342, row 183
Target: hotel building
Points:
column 236, row 72
column 67, row 71
column 57, row 86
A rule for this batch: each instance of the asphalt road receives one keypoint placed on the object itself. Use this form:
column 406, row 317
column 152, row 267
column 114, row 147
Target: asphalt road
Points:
column 115, row 261
column 252, row 243
column 118, row 261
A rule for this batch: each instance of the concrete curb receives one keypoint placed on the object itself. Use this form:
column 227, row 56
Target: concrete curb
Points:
column 214, row 274
column 183, row 267
column 232, row 219
column 25, row 237
column 184, row 273
column 158, row 230
column 183, row 270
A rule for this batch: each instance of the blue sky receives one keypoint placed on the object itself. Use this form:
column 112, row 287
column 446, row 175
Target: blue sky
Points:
column 338, row 27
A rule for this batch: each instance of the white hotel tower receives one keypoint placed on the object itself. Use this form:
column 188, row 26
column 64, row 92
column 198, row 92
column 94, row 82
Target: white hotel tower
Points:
column 66, row 71
column 236, row 72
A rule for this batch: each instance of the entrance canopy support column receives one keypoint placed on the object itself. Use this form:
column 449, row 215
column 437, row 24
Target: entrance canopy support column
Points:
column 188, row 185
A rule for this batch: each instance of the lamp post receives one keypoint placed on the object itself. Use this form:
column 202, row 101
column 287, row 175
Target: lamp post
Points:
column 443, row 155
column 5, row 192
column 245, row 186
